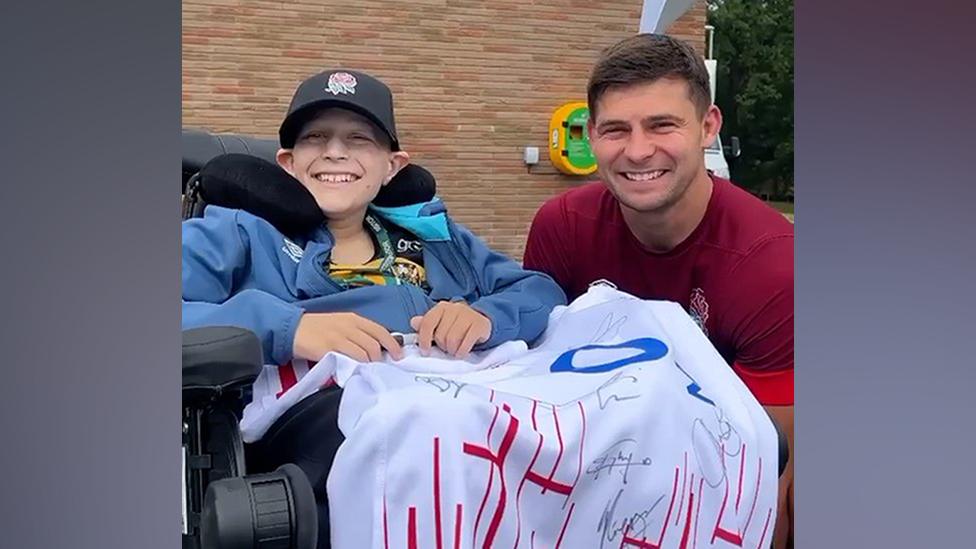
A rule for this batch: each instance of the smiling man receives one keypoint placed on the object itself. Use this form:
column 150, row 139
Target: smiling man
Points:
column 660, row 226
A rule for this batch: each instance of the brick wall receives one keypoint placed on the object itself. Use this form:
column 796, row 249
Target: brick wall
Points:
column 473, row 82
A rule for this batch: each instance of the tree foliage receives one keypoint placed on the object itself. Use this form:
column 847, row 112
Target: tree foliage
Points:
column 753, row 45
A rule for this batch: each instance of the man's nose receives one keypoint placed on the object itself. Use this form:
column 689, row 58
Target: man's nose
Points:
column 639, row 148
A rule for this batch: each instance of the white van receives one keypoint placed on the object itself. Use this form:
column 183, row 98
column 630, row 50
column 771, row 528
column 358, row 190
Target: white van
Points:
column 715, row 157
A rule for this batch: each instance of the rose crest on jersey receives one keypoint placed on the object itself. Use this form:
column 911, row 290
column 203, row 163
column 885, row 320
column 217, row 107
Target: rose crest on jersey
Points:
column 698, row 309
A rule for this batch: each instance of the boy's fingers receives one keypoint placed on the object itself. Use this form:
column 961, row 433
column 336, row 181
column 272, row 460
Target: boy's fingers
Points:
column 425, row 334
column 458, row 334
column 368, row 343
column 352, row 350
column 471, row 337
column 445, row 327
column 485, row 334
column 383, row 338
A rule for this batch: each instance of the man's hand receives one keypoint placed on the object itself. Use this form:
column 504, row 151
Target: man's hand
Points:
column 454, row 326
column 347, row 333
column 783, row 531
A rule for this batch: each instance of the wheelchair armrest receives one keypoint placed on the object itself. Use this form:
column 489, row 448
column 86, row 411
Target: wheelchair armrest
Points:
column 219, row 358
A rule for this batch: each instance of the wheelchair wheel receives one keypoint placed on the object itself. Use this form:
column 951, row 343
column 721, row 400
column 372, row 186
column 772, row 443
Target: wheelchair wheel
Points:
column 269, row 510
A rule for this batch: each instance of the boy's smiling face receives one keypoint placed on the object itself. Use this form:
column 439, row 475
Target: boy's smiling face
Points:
column 343, row 159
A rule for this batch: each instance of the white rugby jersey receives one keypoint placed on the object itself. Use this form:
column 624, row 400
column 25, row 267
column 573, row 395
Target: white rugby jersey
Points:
column 623, row 427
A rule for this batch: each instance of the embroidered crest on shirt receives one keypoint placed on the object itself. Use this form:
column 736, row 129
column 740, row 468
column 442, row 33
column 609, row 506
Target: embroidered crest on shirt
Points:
column 698, row 309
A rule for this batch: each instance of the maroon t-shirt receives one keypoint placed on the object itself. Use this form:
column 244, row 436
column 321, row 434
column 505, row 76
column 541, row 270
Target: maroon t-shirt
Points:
column 733, row 274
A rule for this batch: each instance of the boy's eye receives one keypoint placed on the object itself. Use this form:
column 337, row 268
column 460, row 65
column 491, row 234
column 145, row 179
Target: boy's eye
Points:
column 359, row 137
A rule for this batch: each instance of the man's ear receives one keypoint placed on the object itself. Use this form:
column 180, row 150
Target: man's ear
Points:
column 286, row 159
column 398, row 159
column 711, row 125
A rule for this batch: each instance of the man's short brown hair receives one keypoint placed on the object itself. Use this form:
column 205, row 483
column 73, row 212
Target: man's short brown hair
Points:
column 645, row 58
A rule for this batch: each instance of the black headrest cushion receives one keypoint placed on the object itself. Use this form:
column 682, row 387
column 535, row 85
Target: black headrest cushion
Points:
column 411, row 185
column 248, row 183
column 201, row 146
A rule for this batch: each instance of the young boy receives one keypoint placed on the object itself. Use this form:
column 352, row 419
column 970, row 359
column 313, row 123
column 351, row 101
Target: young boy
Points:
column 368, row 271
column 364, row 273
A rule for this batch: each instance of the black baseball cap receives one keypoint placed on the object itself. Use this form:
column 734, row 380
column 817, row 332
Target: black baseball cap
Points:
column 352, row 90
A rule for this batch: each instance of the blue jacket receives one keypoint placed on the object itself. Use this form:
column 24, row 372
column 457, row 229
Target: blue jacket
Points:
column 238, row 270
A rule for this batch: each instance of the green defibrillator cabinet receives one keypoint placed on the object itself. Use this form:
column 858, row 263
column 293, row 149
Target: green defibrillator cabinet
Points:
column 569, row 143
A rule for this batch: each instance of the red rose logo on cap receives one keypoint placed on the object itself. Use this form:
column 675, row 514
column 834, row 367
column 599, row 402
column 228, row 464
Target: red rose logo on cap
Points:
column 342, row 82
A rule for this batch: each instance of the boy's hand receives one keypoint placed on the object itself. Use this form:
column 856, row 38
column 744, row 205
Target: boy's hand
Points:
column 455, row 327
column 347, row 333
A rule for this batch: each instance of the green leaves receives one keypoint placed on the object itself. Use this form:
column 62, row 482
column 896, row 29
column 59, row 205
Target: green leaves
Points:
column 754, row 89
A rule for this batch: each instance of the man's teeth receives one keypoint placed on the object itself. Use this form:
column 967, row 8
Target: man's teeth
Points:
column 335, row 177
column 644, row 176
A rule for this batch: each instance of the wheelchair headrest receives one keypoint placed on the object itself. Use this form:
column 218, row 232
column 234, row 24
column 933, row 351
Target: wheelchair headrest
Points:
column 201, row 146
column 249, row 183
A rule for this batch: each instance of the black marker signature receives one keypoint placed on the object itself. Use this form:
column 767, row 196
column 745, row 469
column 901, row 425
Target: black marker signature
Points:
column 634, row 525
column 617, row 458
column 441, row 384
column 606, row 393
column 710, row 448
column 608, row 328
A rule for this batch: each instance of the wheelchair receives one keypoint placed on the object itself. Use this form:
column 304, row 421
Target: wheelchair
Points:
column 233, row 497
column 222, row 505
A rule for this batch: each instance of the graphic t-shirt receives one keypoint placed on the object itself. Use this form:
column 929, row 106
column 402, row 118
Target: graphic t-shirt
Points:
column 407, row 266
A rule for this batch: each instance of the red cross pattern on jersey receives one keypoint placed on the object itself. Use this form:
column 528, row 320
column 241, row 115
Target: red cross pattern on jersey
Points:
column 622, row 427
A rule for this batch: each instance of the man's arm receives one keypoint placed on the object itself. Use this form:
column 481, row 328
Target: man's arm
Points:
column 545, row 248
column 760, row 320
column 783, row 416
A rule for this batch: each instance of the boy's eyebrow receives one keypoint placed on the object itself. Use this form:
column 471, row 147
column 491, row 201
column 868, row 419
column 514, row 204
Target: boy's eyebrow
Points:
column 307, row 131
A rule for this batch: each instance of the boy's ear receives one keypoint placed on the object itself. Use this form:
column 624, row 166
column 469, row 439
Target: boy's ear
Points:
column 398, row 159
column 286, row 160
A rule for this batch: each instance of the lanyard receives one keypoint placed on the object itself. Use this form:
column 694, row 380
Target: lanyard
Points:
column 386, row 247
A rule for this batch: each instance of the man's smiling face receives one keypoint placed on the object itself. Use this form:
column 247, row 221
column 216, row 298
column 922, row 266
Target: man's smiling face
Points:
column 648, row 140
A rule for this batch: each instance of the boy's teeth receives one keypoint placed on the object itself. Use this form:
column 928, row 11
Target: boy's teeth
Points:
column 334, row 178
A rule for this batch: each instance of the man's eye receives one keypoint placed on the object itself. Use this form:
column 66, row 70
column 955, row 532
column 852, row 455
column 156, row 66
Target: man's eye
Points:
column 614, row 132
column 359, row 137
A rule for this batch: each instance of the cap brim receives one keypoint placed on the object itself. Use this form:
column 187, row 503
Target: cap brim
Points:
column 288, row 133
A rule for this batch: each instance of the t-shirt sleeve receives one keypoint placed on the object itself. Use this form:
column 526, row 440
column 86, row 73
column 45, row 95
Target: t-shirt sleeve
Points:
column 760, row 320
column 546, row 248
